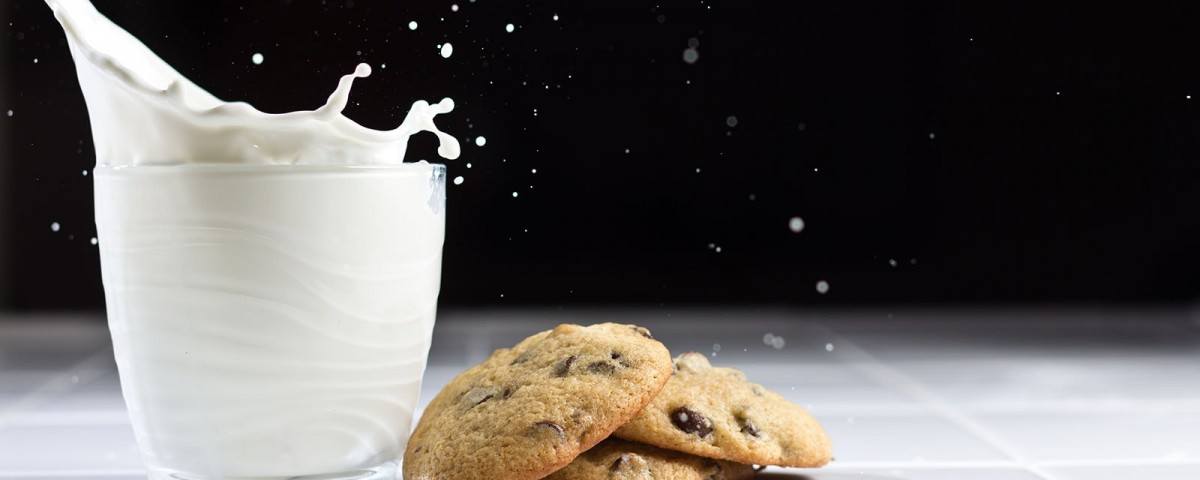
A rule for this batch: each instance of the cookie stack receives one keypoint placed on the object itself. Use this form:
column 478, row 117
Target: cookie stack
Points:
column 606, row 402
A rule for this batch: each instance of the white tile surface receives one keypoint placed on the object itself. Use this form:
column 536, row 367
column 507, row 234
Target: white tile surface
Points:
column 1009, row 396
column 908, row 473
column 1125, row 472
column 1130, row 435
column 67, row 448
column 904, row 438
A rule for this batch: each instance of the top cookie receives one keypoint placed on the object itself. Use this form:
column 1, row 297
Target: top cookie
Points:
column 717, row 413
column 528, row 411
column 616, row 459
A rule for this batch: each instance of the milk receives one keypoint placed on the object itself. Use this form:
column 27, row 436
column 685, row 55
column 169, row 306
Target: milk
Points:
column 270, row 322
column 271, row 279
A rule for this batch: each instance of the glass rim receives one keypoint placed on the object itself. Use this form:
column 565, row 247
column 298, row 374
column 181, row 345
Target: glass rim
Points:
column 405, row 167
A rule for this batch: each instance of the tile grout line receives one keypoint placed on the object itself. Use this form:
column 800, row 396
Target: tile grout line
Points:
column 59, row 383
column 873, row 367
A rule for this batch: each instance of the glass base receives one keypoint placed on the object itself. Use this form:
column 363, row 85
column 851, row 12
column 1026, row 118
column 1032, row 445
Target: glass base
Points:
column 383, row 471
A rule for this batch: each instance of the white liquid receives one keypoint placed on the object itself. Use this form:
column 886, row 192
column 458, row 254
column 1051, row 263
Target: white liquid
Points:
column 143, row 112
column 271, row 279
column 270, row 322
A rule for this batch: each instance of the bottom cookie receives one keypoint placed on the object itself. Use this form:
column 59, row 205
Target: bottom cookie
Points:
column 616, row 459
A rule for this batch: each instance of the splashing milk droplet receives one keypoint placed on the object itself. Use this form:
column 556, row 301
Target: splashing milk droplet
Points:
column 796, row 224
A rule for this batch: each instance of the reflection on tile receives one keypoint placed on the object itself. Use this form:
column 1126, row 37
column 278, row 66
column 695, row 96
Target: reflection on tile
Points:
column 903, row 438
column 66, row 448
column 918, row 473
column 1063, row 436
column 1108, row 472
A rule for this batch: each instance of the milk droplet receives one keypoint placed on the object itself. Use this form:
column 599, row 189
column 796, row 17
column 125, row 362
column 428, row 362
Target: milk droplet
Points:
column 10, row 113
column 892, row 262
column 94, row 241
column 480, row 141
column 718, row 249
column 716, row 347
column 454, row 7
column 774, row 341
column 690, row 55
column 822, row 287
column 509, row 28
column 468, row 165
column 828, row 347
column 932, row 136
column 54, row 226
column 556, row 17
column 626, row 150
column 458, row 180
column 35, row 60
column 533, row 170
column 412, row 25
column 731, row 121
column 447, row 50
column 796, row 224
column 84, row 173
column 257, row 58
column 514, row 194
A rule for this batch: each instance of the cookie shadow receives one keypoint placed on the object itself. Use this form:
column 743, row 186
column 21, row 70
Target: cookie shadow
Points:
column 782, row 476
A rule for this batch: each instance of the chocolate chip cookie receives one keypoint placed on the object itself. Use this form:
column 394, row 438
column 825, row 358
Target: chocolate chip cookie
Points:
column 616, row 459
column 529, row 410
column 717, row 413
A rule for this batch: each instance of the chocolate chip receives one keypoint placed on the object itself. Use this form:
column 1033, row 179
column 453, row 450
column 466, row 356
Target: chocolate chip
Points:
column 616, row 355
column 641, row 331
column 691, row 421
column 619, row 462
column 477, row 395
column 508, row 391
column 551, row 426
column 749, row 428
column 603, row 368
column 564, row 367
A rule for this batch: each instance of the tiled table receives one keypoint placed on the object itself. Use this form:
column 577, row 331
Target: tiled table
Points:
column 936, row 395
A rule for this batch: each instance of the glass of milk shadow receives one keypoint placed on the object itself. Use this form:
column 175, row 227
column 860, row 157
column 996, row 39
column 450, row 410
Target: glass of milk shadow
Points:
column 271, row 321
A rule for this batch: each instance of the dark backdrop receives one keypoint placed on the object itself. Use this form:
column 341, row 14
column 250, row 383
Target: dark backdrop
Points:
column 935, row 152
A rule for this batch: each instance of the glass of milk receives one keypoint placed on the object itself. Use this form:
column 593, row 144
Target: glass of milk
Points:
column 271, row 321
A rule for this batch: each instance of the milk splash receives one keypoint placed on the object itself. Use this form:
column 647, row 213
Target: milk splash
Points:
column 143, row 112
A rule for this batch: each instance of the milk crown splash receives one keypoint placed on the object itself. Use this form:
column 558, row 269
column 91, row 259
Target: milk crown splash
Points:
column 143, row 112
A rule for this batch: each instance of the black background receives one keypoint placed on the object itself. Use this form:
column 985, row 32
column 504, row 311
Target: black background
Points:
column 997, row 152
